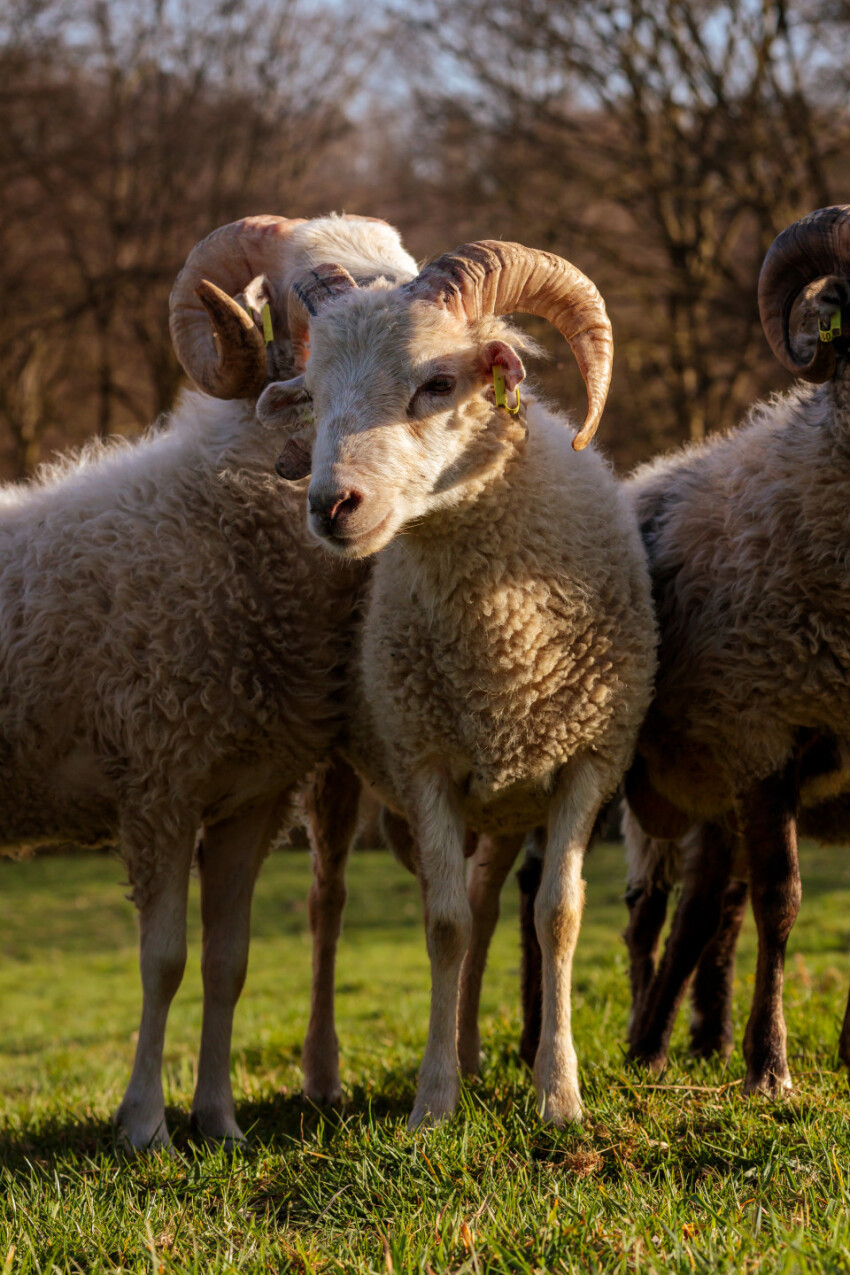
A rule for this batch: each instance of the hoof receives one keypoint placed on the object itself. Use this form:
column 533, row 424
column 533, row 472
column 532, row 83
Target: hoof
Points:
column 470, row 1065
column 652, row 1061
column 561, row 1110
column 218, row 1131
column 434, row 1104
column 705, row 1045
column 422, row 1117
column 768, row 1083
column 134, row 1144
column 323, row 1095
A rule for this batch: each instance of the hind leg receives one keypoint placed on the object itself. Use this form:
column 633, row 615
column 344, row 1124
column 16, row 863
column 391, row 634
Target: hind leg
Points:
column 531, row 977
column 711, row 990
column 844, row 1038
column 706, row 875
column 493, row 859
column 769, row 833
column 332, row 808
column 230, row 857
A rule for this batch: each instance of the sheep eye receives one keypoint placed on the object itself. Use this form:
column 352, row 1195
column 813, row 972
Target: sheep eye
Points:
column 437, row 385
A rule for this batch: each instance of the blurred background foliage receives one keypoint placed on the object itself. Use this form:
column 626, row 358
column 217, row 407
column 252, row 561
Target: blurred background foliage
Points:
column 659, row 144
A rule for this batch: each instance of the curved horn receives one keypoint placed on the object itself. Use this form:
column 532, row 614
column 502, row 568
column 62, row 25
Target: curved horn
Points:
column 216, row 269
column 308, row 294
column 817, row 245
column 489, row 277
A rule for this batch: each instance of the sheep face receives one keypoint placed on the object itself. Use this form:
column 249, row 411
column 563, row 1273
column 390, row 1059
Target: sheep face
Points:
column 402, row 427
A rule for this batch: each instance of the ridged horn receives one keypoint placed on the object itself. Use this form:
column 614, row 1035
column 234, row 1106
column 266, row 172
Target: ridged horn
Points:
column 490, row 277
column 308, row 294
column 217, row 268
column 817, row 245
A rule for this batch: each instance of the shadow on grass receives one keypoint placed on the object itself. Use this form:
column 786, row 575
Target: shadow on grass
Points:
column 277, row 1123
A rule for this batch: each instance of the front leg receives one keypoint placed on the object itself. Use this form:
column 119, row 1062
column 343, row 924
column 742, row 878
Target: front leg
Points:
column 437, row 818
column 140, row 1119
column 767, row 817
column 557, row 918
column 229, row 859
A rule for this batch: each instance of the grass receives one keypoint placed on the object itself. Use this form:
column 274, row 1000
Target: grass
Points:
column 686, row 1175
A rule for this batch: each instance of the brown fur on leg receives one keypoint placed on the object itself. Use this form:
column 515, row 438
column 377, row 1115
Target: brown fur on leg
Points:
column 694, row 924
column 647, row 912
column 529, row 877
column 767, row 816
column 711, row 991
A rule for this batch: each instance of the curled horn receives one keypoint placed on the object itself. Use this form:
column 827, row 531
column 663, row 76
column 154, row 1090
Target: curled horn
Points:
column 816, row 246
column 489, row 277
column 227, row 359
column 308, row 294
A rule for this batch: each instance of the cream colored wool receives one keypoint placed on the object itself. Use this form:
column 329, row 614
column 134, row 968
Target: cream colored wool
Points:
column 173, row 651
column 511, row 636
column 171, row 638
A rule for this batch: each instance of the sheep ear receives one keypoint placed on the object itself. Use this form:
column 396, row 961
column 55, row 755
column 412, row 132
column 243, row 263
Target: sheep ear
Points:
column 296, row 459
column 500, row 354
column 254, row 296
column 278, row 402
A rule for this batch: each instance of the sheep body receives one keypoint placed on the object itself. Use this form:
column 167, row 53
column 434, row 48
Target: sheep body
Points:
column 507, row 638
column 526, row 644
column 173, row 646
column 747, row 539
column 170, row 645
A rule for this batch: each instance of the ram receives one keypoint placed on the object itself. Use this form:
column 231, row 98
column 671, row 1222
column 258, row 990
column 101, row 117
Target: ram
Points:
column 507, row 647
column 174, row 645
column 747, row 541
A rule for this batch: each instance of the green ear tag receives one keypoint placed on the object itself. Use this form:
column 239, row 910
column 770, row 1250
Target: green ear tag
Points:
column 830, row 330
column 500, row 391
column 268, row 330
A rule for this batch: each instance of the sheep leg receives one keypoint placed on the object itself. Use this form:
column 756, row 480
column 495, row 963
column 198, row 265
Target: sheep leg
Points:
column 711, row 991
column 705, row 877
column 332, row 808
column 647, row 913
column 844, row 1038
column 557, row 918
column 140, row 1119
column 769, row 832
column 494, row 857
column 531, row 974
column 439, row 830
column 230, row 856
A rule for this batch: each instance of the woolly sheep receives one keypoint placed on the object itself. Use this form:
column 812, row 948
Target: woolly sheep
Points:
column 507, row 644
column 747, row 541
column 173, row 646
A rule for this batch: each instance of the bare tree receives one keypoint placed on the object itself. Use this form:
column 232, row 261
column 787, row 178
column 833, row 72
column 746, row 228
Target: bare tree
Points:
column 663, row 144
column 126, row 133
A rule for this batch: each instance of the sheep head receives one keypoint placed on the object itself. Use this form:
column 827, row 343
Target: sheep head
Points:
column 218, row 298
column 810, row 249
column 401, row 382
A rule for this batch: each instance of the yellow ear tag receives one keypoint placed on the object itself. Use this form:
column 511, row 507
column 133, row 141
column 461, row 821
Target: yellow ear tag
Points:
column 268, row 330
column 500, row 392
column 832, row 329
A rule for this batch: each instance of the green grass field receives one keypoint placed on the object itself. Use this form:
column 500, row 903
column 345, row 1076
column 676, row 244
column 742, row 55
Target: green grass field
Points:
column 685, row 1175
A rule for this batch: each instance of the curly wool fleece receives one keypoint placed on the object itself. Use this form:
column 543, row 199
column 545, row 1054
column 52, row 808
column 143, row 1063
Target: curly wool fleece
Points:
column 172, row 641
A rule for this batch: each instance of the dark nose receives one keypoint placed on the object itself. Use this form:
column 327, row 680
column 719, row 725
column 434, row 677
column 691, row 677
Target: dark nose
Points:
column 334, row 508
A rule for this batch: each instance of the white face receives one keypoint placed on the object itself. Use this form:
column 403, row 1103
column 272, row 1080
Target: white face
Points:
column 400, row 419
